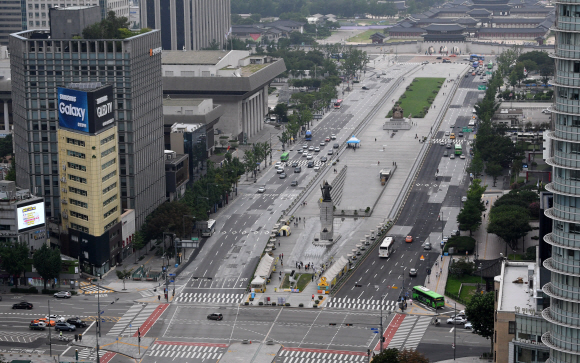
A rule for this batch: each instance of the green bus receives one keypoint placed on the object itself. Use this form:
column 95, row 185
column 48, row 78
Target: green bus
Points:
column 428, row 297
column 490, row 65
column 285, row 156
column 458, row 149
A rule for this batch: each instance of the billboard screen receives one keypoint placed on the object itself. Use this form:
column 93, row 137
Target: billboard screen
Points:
column 30, row 216
column 86, row 111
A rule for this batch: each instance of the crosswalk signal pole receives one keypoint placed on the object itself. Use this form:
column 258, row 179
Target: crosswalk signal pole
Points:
column 139, row 340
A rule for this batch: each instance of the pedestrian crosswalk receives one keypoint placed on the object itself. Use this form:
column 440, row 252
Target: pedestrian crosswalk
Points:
column 132, row 320
column 304, row 163
column 90, row 354
column 198, row 297
column 451, row 141
column 364, row 304
column 88, row 288
column 148, row 293
column 186, row 351
column 21, row 337
column 410, row 332
column 297, row 355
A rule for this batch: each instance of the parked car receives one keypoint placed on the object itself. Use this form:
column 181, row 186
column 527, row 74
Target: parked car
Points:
column 22, row 305
column 215, row 316
column 413, row 272
column 65, row 326
column 62, row 294
column 77, row 322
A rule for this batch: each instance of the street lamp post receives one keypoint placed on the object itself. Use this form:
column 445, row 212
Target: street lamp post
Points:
column 381, row 337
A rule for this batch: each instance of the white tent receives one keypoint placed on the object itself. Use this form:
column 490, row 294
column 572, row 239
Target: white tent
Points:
column 264, row 267
column 353, row 140
column 258, row 281
column 335, row 269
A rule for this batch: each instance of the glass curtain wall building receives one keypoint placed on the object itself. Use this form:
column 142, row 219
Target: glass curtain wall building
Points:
column 40, row 64
column 563, row 336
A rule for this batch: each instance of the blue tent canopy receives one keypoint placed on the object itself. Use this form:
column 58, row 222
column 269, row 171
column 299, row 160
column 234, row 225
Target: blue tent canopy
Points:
column 353, row 140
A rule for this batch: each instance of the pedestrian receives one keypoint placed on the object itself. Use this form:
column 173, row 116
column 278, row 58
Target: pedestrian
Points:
column 278, row 243
column 296, row 264
column 280, row 278
column 483, row 215
column 158, row 297
column 441, row 258
column 378, row 163
column 436, row 263
column 312, row 299
column 440, row 270
column 282, row 256
column 280, row 273
column 282, row 263
column 436, row 274
column 375, row 139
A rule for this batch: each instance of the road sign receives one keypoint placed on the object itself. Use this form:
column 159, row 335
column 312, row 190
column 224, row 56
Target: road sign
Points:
column 171, row 274
column 467, row 129
column 194, row 239
column 176, row 265
column 481, row 87
column 487, row 72
column 170, row 280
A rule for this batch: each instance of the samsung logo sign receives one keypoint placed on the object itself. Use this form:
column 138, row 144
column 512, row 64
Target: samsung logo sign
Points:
column 71, row 110
column 102, row 99
column 68, row 98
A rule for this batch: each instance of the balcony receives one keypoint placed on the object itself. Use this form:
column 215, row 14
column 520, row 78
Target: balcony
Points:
column 557, row 241
column 562, row 212
column 571, row 2
column 567, row 23
column 565, row 105
column 558, row 293
column 566, row 51
column 563, row 320
column 553, row 342
column 560, row 267
column 565, row 133
column 562, row 188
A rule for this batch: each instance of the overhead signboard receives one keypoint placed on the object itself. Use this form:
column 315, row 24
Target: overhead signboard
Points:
column 481, row 88
column 86, row 111
column 30, row 216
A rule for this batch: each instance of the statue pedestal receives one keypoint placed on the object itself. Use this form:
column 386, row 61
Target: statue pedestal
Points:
column 397, row 124
column 326, row 220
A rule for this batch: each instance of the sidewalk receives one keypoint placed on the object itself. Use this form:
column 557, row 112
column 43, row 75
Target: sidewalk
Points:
column 438, row 279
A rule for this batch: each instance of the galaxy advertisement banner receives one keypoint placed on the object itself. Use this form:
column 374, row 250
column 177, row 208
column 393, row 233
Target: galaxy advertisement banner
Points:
column 86, row 111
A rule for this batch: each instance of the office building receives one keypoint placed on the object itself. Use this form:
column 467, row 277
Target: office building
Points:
column 22, row 216
column 35, row 13
column 564, row 263
column 176, row 174
column 89, row 174
column 233, row 79
column 188, row 24
column 11, row 19
column 132, row 66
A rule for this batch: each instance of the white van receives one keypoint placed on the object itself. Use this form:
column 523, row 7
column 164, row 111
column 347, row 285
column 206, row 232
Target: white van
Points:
column 472, row 122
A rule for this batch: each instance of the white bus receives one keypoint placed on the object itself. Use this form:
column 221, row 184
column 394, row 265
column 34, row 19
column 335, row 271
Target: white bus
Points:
column 386, row 247
column 210, row 229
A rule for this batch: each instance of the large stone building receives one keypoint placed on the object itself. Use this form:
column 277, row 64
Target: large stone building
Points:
column 188, row 25
column 41, row 63
column 235, row 80
column 564, row 263
column 11, row 19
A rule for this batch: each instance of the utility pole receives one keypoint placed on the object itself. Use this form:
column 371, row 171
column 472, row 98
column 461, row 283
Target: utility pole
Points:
column 49, row 331
column 98, row 331
column 454, row 330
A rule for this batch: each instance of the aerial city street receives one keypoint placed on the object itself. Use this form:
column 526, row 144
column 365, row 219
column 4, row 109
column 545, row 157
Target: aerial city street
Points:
column 221, row 180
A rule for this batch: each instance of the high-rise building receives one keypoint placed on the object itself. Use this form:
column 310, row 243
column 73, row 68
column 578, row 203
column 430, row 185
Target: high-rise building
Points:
column 89, row 174
column 564, row 263
column 188, row 24
column 40, row 64
column 11, row 19
column 35, row 13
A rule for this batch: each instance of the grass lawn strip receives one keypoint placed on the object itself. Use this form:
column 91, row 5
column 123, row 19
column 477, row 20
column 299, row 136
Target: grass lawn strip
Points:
column 419, row 96
column 363, row 37
column 302, row 281
column 453, row 283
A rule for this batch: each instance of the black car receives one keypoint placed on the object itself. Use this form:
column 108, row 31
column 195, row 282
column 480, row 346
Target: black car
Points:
column 310, row 164
column 23, row 305
column 295, row 164
column 335, row 146
column 365, row 88
column 215, row 316
column 64, row 326
column 294, row 183
column 77, row 322
column 297, row 169
column 323, row 159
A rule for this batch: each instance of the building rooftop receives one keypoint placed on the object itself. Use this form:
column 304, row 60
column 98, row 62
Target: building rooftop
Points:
column 75, row 7
column 181, row 127
column 207, row 57
column 253, row 68
column 514, row 291
column 182, row 101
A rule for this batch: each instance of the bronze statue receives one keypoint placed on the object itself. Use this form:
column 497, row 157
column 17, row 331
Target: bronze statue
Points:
column 326, row 188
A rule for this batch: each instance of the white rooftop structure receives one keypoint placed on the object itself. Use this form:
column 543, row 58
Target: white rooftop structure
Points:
column 519, row 283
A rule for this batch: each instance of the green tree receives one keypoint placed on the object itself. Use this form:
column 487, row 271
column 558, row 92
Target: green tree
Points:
column 110, row 28
column 412, row 356
column 513, row 79
column 123, row 275
column 387, row 356
column 47, row 263
column 168, row 217
column 138, row 243
column 494, row 170
column 6, row 146
column 510, row 223
column 14, row 258
column 480, row 312
column 476, row 165
column 281, row 110
column 11, row 175
column 469, row 218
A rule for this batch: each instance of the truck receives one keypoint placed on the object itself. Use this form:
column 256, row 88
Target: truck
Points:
column 384, row 175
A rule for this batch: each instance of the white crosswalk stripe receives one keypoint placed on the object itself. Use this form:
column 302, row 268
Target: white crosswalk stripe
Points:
column 303, row 163
column 189, row 297
column 451, row 141
column 365, row 304
column 410, row 332
column 186, row 351
column 135, row 316
column 291, row 356
column 90, row 354
column 147, row 293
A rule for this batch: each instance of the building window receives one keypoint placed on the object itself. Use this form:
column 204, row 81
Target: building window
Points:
column 110, row 224
column 78, row 191
column 109, row 176
column 78, row 179
column 79, row 215
column 108, row 151
column 76, row 154
column 109, row 188
column 107, row 139
column 187, row 73
column 75, row 142
column 168, row 73
column 78, row 203
column 108, row 201
column 511, row 327
column 77, row 166
column 108, row 163
column 113, row 210
column 79, row 228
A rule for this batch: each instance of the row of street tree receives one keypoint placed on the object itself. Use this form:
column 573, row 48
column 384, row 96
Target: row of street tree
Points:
column 15, row 258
